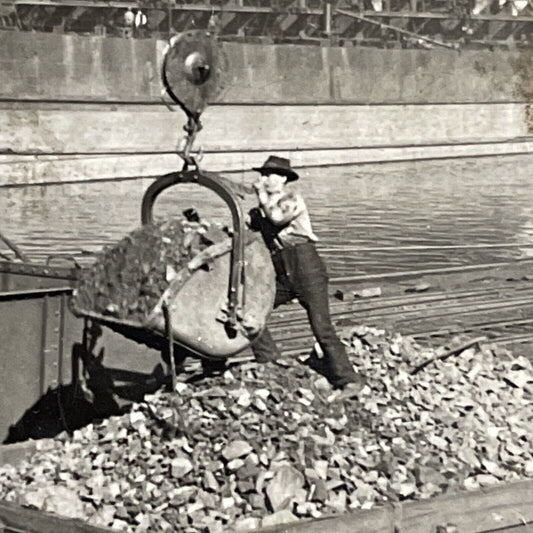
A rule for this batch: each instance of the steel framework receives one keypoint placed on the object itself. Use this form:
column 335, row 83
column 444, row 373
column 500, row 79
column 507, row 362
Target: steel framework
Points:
column 378, row 23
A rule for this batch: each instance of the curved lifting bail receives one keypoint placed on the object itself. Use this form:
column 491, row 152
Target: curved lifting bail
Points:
column 210, row 180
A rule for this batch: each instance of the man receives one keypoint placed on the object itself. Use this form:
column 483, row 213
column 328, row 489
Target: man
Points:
column 284, row 222
column 129, row 18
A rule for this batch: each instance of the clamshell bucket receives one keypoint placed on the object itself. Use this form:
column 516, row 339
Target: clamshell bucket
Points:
column 218, row 303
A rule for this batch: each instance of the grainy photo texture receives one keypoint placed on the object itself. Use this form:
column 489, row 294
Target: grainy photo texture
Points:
column 266, row 265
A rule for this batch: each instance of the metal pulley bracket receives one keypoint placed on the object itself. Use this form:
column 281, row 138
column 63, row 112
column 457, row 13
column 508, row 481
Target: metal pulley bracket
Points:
column 192, row 71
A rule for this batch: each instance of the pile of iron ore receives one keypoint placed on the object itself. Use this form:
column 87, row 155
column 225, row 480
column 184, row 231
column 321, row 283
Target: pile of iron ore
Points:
column 260, row 445
column 127, row 280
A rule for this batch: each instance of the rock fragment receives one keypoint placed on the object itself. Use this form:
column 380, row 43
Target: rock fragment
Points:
column 285, row 487
column 180, row 467
column 236, row 449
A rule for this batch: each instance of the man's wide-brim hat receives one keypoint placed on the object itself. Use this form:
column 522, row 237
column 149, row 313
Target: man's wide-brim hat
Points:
column 277, row 165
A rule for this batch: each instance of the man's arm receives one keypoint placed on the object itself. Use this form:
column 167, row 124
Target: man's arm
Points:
column 281, row 208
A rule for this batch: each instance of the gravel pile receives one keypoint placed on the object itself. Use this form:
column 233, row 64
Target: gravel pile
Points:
column 260, row 445
column 127, row 279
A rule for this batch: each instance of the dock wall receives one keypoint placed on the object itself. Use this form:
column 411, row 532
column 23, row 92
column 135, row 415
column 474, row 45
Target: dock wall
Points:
column 69, row 104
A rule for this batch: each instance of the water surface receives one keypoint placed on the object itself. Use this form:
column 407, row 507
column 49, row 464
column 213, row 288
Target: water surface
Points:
column 438, row 207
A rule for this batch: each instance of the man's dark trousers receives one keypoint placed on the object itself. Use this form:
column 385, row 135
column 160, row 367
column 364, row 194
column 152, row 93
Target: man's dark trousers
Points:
column 301, row 274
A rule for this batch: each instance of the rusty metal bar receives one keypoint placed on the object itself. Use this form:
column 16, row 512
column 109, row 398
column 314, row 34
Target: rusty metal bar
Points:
column 42, row 351
column 4, row 277
column 36, row 293
column 80, row 155
column 170, row 348
column 328, row 18
column 32, row 269
column 61, row 338
column 396, row 28
column 108, row 104
column 15, row 249
column 266, row 10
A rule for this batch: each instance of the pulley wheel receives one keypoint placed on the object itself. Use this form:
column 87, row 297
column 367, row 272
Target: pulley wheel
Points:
column 193, row 68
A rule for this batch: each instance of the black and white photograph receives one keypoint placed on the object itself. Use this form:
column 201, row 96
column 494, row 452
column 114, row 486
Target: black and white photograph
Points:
column 266, row 266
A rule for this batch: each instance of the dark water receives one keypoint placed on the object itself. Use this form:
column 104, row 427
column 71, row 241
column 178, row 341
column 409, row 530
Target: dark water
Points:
column 434, row 211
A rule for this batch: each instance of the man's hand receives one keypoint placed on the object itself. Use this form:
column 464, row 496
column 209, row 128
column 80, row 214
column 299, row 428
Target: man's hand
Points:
column 261, row 191
column 259, row 184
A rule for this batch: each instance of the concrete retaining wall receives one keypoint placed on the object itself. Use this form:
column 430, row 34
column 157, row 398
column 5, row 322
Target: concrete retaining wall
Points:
column 259, row 127
column 45, row 144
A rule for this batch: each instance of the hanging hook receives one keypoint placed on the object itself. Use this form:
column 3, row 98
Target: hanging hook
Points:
column 192, row 127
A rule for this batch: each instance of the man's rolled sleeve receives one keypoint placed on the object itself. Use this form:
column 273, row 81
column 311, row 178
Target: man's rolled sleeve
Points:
column 284, row 209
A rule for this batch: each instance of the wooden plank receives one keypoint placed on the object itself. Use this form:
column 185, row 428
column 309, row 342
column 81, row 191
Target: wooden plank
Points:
column 508, row 506
column 378, row 520
column 476, row 512
column 499, row 509
column 16, row 519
